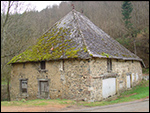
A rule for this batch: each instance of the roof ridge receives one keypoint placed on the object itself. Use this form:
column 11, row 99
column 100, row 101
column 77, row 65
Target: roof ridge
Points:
column 84, row 41
column 56, row 22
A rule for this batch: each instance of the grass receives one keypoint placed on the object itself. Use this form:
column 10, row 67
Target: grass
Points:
column 138, row 92
column 3, row 83
column 37, row 102
column 145, row 70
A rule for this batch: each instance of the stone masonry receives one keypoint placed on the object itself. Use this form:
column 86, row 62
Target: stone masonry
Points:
column 72, row 78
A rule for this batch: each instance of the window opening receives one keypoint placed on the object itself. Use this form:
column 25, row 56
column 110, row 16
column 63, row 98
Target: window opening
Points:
column 43, row 65
column 23, row 65
column 109, row 65
column 23, row 85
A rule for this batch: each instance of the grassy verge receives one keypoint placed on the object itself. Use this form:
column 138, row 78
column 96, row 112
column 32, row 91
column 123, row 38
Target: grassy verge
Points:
column 138, row 92
column 37, row 102
column 145, row 70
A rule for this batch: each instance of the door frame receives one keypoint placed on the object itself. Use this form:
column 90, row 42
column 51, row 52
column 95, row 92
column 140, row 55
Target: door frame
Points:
column 39, row 90
column 108, row 84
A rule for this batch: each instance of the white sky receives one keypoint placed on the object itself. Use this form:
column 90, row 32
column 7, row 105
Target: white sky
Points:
column 39, row 5
column 27, row 5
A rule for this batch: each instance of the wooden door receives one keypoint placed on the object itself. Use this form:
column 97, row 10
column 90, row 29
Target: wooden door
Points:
column 44, row 89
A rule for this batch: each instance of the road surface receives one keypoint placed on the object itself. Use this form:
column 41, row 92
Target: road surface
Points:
column 135, row 106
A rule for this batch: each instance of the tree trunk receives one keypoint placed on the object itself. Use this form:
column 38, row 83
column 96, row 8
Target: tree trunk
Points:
column 134, row 46
column 8, row 91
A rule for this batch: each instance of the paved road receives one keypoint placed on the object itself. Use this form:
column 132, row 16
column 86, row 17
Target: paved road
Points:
column 135, row 106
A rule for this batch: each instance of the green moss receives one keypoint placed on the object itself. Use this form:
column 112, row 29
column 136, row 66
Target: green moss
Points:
column 105, row 54
column 57, row 40
column 124, row 55
column 91, row 54
column 85, row 49
column 128, row 56
column 116, row 54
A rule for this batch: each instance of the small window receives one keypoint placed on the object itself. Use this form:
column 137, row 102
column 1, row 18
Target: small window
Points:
column 109, row 65
column 23, row 85
column 43, row 65
column 23, row 65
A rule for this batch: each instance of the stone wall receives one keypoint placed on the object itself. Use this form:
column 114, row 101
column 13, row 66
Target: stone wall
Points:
column 120, row 68
column 33, row 73
column 73, row 78
column 77, row 79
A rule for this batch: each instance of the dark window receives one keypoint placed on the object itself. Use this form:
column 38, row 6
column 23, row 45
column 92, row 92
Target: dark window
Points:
column 23, row 65
column 23, row 85
column 109, row 65
column 63, row 64
column 43, row 65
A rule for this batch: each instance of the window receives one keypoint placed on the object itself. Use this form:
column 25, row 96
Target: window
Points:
column 109, row 65
column 23, row 85
column 23, row 65
column 43, row 65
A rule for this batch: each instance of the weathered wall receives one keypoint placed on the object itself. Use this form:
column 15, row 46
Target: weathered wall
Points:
column 120, row 68
column 71, row 81
column 76, row 79
column 31, row 71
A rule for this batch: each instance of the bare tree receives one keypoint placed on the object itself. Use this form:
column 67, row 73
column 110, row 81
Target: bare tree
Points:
column 13, row 37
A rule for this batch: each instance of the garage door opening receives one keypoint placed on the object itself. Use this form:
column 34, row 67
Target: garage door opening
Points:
column 108, row 87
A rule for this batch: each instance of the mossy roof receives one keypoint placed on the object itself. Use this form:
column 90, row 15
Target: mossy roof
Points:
column 74, row 36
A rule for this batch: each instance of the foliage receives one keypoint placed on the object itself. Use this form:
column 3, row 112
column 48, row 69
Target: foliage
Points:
column 127, row 8
column 145, row 70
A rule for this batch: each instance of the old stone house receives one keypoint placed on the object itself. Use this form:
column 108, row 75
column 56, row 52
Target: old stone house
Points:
column 74, row 59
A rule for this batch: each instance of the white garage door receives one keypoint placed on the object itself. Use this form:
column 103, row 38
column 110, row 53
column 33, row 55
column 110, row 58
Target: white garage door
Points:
column 137, row 77
column 108, row 87
column 132, row 77
column 128, row 81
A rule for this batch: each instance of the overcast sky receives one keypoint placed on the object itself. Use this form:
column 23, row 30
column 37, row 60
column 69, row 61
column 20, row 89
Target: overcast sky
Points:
column 39, row 5
column 27, row 5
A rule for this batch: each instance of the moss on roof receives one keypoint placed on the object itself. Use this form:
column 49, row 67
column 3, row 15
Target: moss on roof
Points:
column 49, row 47
column 74, row 36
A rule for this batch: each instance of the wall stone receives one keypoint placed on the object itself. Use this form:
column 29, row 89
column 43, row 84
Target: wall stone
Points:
column 98, row 69
column 72, row 78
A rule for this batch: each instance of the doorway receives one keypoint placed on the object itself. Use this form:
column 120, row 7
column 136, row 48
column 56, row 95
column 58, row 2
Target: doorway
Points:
column 43, row 88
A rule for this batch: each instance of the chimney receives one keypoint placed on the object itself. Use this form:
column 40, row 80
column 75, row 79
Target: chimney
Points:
column 82, row 11
column 72, row 6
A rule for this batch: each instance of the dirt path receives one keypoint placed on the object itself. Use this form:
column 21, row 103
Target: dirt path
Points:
column 59, row 108
column 32, row 109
